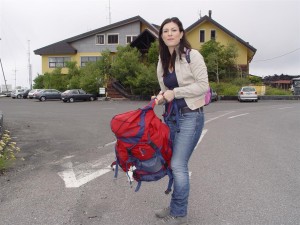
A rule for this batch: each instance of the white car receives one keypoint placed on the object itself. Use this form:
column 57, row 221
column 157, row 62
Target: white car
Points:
column 18, row 93
column 247, row 93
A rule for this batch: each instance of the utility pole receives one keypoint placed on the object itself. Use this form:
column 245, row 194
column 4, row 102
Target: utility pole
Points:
column 15, row 72
column 29, row 67
column 3, row 73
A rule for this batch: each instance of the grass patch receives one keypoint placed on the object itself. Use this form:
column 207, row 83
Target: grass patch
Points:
column 277, row 91
column 8, row 151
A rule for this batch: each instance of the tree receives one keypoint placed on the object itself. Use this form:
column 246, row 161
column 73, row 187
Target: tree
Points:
column 73, row 76
column 126, row 66
column 153, row 53
column 146, row 81
column 219, row 59
column 105, row 68
column 91, row 77
column 38, row 82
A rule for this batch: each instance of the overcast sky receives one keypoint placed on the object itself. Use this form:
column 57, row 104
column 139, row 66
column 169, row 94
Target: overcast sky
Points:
column 270, row 26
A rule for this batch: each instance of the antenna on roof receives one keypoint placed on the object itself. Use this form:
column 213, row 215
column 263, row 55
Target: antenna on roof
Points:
column 109, row 13
column 199, row 13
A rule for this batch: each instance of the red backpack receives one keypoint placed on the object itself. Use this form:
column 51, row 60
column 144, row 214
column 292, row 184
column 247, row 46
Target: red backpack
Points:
column 143, row 143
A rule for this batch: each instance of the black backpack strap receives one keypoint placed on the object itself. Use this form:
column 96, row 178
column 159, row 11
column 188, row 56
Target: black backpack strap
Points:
column 187, row 55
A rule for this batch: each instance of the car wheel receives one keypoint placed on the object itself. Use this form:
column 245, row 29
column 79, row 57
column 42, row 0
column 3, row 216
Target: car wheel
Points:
column 18, row 96
column 43, row 98
column 65, row 100
column 92, row 98
column 71, row 100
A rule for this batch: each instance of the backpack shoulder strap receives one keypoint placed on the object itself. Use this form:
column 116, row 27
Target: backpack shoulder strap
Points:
column 187, row 55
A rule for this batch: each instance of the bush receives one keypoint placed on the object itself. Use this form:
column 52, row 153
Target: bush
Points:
column 277, row 91
column 228, row 89
column 8, row 151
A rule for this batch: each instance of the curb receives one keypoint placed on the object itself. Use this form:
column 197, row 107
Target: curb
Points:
column 264, row 97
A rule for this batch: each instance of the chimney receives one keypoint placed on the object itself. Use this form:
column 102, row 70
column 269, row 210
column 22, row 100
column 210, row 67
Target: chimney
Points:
column 209, row 13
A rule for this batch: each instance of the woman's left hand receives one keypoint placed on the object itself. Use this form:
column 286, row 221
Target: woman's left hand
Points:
column 169, row 95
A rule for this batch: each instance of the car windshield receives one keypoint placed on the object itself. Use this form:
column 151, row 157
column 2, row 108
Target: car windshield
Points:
column 248, row 89
column 297, row 83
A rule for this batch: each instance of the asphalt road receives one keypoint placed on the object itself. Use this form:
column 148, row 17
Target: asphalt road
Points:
column 244, row 171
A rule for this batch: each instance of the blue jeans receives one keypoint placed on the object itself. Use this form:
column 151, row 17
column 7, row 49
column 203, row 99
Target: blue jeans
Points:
column 184, row 142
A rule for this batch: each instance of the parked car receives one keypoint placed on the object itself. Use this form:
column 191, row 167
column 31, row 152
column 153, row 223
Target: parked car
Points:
column 47, row 94
column 7, row 93
column 25, row 93
column 247, row 93
column 30, row 94
column 77, row 95
column 214, row 95
column 17, row 93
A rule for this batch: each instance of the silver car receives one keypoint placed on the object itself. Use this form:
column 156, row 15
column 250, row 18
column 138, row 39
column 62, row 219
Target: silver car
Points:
column 247, row 93
column 31, row 93
column 17, row 93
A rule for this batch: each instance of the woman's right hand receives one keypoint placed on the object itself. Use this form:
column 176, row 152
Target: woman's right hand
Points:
column 159, row 99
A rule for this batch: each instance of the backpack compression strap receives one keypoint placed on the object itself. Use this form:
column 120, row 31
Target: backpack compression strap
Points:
column 172, row 107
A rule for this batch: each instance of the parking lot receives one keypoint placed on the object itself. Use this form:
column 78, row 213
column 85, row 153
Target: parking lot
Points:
column 245, row 170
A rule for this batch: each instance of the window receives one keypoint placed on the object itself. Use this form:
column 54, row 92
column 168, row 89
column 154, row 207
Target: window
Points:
column 213, row 35
column 112, row 39
column 130, row 38
column 86, row 59
column 81, row 91
column 202, row 36
column 55, row 62
column 100, row 39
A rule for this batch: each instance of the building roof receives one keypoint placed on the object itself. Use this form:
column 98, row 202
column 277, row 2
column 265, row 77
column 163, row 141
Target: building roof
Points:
column 281, row 82
column 64, row 47
column 209, row 19
column 144, row 40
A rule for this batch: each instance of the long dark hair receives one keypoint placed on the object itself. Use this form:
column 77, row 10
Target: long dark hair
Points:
column 166, row 57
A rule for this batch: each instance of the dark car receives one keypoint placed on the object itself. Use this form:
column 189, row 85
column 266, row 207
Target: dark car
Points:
column 47, row 94
column 25, row 94
column 77, row 95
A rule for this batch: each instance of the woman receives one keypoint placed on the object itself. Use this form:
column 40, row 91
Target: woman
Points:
column 184, row 83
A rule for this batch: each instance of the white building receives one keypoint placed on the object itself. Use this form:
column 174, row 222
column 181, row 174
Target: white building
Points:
column 3, row 87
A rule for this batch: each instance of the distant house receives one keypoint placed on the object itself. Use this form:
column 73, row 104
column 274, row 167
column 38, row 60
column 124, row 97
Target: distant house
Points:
column 206, row 29
column 88, row 46
column 283, row 84
column 138, row 33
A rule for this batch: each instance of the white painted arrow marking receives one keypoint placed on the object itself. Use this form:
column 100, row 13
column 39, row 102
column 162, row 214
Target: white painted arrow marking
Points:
column 75, row 176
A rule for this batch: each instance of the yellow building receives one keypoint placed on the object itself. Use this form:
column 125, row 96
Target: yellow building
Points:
column 206, row 29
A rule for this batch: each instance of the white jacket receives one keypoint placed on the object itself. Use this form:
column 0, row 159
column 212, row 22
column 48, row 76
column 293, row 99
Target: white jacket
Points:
column 192, row 79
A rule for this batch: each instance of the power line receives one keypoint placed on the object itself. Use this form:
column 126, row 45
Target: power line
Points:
column 262, row 60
